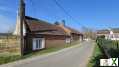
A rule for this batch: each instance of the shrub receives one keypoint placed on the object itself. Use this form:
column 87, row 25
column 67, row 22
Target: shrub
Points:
column 8, row 58
column 112, row 47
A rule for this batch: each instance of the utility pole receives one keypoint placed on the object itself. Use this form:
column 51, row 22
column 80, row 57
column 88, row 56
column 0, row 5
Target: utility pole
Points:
column 21, row 19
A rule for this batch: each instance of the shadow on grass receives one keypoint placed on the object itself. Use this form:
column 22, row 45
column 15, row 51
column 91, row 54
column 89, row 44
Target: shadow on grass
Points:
column 114, row 53
column 96, row 60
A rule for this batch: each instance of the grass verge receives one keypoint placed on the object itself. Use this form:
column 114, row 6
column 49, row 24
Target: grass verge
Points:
column 95, row 59
column 8, row 57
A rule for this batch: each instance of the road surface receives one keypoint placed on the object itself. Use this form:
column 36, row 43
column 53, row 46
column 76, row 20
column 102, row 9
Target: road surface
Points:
column 76, row 56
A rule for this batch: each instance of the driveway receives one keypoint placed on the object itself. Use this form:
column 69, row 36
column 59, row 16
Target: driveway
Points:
column 76, row 56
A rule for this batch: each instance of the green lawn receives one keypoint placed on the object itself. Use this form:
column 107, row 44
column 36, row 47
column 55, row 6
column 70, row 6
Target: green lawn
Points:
column 8, row 57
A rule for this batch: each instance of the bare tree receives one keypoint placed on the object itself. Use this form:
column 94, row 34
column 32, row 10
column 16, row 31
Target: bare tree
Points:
column 9, row 33
column 89, row 32
column 10, row 30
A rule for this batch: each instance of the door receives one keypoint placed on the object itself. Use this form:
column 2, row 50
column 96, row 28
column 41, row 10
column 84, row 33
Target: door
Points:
column 38, row 43
column 68, row 40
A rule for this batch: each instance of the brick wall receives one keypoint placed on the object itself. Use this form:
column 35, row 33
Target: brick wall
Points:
column 54, row 41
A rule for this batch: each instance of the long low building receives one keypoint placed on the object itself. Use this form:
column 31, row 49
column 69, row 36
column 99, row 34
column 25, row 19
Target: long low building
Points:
column 112, row 34
column 39, row 34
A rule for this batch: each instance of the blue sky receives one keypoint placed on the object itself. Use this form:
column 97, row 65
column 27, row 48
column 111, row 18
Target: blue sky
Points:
column 96, row 14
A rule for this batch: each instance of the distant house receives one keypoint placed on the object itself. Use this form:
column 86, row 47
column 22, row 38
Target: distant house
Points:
column 112, row 34
column 104, row 32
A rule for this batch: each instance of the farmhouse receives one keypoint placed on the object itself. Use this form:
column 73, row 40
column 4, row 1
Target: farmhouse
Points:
column 32, row 34
column 112, row 34
column 39, row 34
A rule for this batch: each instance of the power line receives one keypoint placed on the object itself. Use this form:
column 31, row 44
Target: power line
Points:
column 63, row 9
column 34, row 4
column 33, row 7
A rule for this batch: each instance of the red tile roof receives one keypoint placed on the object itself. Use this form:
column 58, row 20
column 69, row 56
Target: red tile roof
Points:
column 103, row 31
column 73, row 30
column 115, row 30
column 38, row 25
column 43, row 27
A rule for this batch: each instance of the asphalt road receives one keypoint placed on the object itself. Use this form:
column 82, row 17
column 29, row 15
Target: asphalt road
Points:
column 77, row 56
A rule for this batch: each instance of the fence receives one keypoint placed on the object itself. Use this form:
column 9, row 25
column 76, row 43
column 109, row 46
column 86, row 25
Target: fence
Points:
column 9, row 44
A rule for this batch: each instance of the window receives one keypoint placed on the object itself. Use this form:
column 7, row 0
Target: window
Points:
column 38, row 43
column 68, row 40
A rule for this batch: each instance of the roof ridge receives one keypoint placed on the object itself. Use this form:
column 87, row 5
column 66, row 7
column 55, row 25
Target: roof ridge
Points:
column 38, row 20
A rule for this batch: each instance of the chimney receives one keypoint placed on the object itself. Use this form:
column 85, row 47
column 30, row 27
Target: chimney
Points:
column 63, row 22
column 56, row 23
